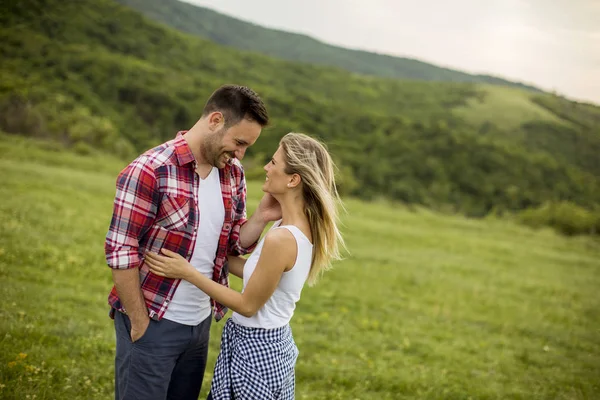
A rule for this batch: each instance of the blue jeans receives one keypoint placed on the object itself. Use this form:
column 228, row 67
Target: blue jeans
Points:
column 167, row 362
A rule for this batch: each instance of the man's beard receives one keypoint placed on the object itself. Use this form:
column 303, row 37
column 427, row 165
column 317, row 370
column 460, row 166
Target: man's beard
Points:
column 213, row 149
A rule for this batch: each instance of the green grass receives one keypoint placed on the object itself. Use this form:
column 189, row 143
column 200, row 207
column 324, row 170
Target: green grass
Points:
column 507, row 106
column 426, row 306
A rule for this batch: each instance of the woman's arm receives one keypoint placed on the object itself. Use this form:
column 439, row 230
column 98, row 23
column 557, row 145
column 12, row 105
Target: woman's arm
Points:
column 236, row 265
column 278, row 254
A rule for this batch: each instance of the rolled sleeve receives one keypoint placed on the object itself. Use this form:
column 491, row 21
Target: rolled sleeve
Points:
column 134, row 212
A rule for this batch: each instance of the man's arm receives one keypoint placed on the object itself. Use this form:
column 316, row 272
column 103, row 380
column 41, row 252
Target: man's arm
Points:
column 268, row 210
column 127, row 282
column 246, row 232
column 134, row 212
column 236, row 265
column 251, row 230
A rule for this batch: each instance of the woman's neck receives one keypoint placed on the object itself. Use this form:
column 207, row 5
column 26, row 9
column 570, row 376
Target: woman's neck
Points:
column 292, row 210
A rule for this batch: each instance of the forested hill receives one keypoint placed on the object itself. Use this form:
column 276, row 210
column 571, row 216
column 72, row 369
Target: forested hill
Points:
column 243, row 35
column 96, row 75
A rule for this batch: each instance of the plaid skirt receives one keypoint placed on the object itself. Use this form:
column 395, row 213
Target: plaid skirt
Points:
column 255, row 363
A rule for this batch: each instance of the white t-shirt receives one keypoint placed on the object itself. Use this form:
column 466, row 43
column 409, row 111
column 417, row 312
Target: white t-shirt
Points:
column 279, row 309
column 190, row 305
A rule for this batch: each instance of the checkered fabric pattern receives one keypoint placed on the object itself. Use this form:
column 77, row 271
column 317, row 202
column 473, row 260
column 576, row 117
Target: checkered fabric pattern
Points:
column 156, row 206
column 255, row 363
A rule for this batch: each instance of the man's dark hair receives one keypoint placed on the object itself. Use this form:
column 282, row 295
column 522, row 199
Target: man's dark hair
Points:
column 236, row 103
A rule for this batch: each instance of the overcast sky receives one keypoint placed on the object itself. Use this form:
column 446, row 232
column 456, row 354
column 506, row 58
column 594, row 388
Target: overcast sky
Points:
column 553, row 44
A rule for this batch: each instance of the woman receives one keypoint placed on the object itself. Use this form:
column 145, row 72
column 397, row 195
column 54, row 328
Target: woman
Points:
column 258, row 353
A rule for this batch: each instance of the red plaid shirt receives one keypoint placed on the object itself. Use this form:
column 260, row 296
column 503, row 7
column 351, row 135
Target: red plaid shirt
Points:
column 156, row 206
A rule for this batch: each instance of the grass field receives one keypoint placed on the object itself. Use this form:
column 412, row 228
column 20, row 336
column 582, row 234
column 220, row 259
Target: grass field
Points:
column 507, row 106
column 426, row 306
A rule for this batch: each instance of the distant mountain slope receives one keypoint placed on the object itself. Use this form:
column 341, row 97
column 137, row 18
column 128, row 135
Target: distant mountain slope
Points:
column 96, row 75
column 295, row 47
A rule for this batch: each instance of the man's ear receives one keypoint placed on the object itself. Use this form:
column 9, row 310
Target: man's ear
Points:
column 216, row 120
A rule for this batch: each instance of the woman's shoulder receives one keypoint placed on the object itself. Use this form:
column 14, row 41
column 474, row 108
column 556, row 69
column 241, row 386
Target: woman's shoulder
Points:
column 301, row 235
column 280, row 247
column 279, row 236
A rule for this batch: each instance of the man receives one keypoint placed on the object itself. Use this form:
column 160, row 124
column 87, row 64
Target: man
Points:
column 187, row 195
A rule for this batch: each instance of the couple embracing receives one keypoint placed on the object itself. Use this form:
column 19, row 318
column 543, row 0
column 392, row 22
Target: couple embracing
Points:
column 178, row 229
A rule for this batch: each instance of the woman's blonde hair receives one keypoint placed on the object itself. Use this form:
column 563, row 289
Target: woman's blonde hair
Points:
column 309, row 159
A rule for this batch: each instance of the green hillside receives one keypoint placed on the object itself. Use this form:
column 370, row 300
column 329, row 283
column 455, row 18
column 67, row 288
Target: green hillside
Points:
column 511, row 106
column 95, row 75
column 570, row 131
column 426, row 306
column 295, row 47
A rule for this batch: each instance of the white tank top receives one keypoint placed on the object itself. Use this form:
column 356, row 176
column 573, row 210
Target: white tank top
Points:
column 190, row 305
column 279, row 309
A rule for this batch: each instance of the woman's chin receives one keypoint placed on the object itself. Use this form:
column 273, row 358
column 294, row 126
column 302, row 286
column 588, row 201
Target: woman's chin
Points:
column 266, row 189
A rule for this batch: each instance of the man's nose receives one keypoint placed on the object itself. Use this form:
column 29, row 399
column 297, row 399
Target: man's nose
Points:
column 239, row 153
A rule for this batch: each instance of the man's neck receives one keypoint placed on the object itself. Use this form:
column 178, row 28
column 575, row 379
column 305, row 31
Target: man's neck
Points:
column 194, row 141
column 203, row 170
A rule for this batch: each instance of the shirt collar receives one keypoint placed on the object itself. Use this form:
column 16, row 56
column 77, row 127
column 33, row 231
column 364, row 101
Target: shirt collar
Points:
column 182, row 150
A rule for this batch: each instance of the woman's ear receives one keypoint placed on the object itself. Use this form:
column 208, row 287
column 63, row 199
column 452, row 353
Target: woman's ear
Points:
column 294, row 181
